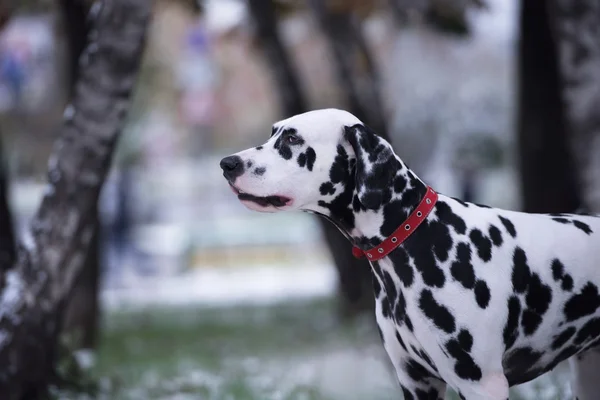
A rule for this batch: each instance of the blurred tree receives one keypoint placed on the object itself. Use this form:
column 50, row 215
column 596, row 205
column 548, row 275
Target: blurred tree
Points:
column 82, row 310
column 7, row 232
column 577, row 39
column 548, row 176
column 355, row 68
column 7, row 238
column 35, row 290
column 446, row 16
column 293, row 100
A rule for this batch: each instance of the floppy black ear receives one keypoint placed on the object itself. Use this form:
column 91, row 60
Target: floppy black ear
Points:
column 376, row 166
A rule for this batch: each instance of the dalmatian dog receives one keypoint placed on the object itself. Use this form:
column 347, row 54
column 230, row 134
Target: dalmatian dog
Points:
column 469, row 297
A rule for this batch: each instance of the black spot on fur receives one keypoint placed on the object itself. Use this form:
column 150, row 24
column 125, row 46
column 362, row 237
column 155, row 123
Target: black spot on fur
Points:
column 419, row 247
column 538, row 300
column 445, row 214
column 400, row 309
column 406, row 393
column 386, row 308
column 465, row 339
column 432, row 394
column 437, row 313
column 441, row 239
column 465, row 366
column 462, row 269
column 426, row 358
column 408, row 323
column 530, row 321
column 482, row 243
column 416, row 371
column 389, row 285
column 399, row 339
column 249, row 164
column 508, row 225
column 582, row 304
column 402, row 267
column 495, row 235
column 561, row 339
column 311, row 156
column 260, row 171
column 583, row 226
column 341, row 206
column 521, row 360
column 302, row 160
column 392, row 219
column 284, row 149
column 399, row 184
column 327, row 188
column 521, row 272
column 482, row 294
column 567, row 283
column 259, row 148
column 576, row 223
column 511, row 329
column 557, row 270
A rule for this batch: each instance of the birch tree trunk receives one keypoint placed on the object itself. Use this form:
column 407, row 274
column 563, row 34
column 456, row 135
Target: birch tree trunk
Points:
column 35, row 290
column 82, row 309
column 548, row 176
column 576, row 26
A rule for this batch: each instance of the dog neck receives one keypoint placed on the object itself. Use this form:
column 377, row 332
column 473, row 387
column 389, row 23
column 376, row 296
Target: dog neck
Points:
column 374, row 226
column 367, row 228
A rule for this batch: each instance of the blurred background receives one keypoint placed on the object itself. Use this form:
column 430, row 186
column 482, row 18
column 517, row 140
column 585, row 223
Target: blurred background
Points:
column 185, row 294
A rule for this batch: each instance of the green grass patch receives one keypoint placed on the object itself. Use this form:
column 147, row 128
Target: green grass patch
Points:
column 299, row 350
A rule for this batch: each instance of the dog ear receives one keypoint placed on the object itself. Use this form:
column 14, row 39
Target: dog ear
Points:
column 376, row 166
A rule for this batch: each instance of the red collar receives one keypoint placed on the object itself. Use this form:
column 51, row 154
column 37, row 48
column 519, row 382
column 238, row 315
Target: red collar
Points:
column 403, row 232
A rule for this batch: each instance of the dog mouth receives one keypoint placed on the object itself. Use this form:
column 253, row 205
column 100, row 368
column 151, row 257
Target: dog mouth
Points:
column 263, row 201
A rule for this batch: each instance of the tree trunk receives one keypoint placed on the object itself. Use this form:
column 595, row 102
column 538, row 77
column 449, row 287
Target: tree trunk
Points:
column 82, row 310
column 35, row 291
column 355, row 69
column 293, row 100
column 7, row 238
column 353, row 274
column 577, row 39
column 548, row 177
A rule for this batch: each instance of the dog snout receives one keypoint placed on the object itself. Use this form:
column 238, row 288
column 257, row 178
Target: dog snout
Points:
column 232, row 167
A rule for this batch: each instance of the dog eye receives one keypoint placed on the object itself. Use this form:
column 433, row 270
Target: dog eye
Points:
column 291, row 139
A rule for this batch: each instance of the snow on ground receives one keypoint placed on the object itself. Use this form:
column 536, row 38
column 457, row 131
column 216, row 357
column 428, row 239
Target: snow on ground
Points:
column 223, row 286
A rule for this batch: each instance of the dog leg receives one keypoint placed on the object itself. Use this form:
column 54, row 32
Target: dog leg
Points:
column 493, row 386
column 584, row 367
column 417, row 384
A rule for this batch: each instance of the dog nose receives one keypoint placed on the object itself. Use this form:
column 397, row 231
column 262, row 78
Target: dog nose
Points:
column 232, row 167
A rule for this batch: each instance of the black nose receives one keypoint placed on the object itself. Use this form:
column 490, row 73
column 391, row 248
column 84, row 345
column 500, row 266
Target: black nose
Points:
column 232, row 167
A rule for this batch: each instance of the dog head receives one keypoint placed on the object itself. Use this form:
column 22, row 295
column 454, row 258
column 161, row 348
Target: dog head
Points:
column 324, row 161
